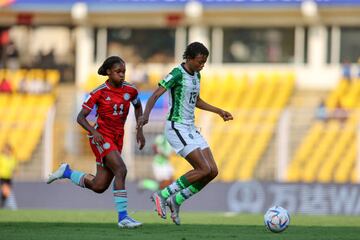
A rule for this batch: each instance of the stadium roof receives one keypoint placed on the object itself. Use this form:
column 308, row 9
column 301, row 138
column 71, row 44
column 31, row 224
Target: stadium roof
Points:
column 149, row 5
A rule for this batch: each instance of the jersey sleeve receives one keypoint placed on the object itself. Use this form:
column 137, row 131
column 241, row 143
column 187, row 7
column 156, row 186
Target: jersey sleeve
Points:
column 91, row 100
column 171, row 79
column 135, row 97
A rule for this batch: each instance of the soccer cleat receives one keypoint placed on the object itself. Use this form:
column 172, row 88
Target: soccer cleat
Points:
column 129, row 222
column 174, row 208
column 58, row 174
column 159, row 202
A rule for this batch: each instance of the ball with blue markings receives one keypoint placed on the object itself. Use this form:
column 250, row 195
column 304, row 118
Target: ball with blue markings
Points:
column 276, row 219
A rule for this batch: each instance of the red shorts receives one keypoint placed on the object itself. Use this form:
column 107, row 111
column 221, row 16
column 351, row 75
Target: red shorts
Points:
column 111, row 144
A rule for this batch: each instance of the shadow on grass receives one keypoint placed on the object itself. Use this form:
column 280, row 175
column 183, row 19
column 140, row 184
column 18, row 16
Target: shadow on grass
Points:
column 151, row 231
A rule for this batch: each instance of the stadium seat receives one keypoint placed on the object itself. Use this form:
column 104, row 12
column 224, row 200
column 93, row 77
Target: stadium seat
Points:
column 23, row 116
column 256, row 110
column 335, row 154
column 328, row 151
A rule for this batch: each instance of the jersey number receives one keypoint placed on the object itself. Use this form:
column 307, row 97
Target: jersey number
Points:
column 192, row 99
column 121, row 108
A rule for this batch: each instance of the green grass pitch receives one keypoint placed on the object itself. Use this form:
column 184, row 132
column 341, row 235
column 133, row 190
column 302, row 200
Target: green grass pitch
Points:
column 88, row 225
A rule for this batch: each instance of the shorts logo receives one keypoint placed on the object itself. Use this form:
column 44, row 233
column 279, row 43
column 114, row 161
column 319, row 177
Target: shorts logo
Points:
column 191, row 136
column 106, row 145
column 126, row 96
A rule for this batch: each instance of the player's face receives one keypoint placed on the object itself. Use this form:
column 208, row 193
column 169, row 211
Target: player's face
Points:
column 197, row 63
column 117, row 73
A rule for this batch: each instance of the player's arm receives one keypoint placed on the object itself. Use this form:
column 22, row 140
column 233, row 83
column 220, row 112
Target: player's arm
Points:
column 81, row 119
column 207, row 107
column 139, row 131
column 150, row 104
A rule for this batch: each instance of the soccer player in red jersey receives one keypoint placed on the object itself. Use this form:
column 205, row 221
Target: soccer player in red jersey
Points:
column 113, row 100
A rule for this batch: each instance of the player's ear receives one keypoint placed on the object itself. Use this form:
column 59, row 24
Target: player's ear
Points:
column 108, row 71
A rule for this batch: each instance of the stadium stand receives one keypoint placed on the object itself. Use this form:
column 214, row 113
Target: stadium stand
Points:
column 328, row 151
column 23, row 113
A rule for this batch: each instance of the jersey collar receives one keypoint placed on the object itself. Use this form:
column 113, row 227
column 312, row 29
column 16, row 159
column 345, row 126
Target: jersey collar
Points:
column 109, row 86
column 182, row 65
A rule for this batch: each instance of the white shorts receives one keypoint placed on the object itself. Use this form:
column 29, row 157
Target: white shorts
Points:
column 184, row 138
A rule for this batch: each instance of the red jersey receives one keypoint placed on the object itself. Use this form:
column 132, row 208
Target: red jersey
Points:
column 112, row 107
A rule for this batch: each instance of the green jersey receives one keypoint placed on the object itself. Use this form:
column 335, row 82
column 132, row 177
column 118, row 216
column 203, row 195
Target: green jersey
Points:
column 183, row 91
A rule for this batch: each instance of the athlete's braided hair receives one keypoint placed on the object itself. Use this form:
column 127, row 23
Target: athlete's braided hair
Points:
column 194, row 49
column 108, row 63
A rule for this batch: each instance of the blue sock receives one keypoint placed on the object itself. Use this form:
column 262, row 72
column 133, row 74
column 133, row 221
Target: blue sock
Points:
column 67, row 172
column 121, row 202
column 78, row 178
column 122, row 215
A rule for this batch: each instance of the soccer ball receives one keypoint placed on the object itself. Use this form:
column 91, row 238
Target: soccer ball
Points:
column 276, row 219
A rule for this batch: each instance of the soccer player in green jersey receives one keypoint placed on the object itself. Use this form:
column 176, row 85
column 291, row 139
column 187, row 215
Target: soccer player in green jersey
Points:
column 183, row 85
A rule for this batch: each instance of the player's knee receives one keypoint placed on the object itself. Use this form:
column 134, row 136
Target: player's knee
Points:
column 99, row 188
column 204, row 172
column 122, row 172
column 213, row 173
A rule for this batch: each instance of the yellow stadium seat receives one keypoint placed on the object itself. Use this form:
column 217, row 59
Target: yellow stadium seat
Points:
column 52, row 76
column 335, row 155
column 333, row 158
column 347, row 163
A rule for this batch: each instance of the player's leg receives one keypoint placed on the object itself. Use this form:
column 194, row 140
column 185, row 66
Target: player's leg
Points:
column 178, row 198
column 98, row 183
column 195, row 187
column 3, row 195
column 64, row 171
column 101, row 181
column 165, row 183
column 195, row 179
column 104, row 175
column 187, row 142
column 213, row 167
column 200, row 169
column 6, row 189
column 8, row 195
column 208, row 158
column 174, row 202
column 114, row 162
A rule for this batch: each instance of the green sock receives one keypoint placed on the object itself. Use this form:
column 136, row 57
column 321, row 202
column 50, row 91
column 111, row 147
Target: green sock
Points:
column 178, row 185
column 186, row 193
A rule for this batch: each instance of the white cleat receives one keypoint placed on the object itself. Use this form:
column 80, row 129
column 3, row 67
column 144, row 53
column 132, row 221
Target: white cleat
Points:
column 160, row 205
column 129, row 222
column 174, row 208
column 58, row 174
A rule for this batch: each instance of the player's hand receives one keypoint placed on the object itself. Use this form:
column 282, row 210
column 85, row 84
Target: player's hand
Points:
column 140, row 139
column 98, row 138
column 142, row 121
column 226, row 116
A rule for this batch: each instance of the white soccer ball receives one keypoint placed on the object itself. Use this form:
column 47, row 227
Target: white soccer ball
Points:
column 276, row 219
